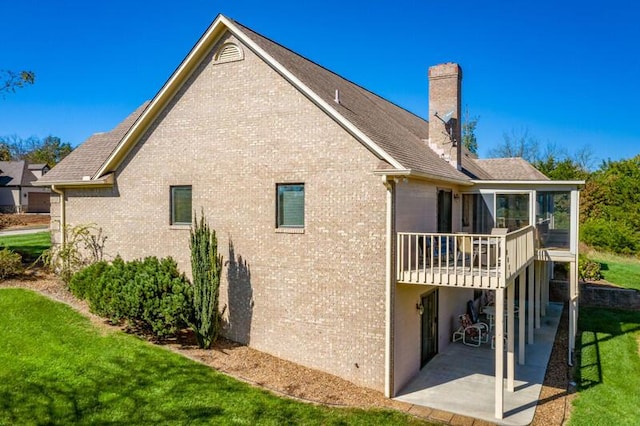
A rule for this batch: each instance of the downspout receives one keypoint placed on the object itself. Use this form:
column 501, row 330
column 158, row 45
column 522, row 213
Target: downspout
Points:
column 389, row 390
column 63, row 214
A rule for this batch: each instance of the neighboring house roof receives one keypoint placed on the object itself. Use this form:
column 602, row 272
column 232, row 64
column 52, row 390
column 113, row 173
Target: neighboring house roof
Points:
column 38, row 166
column 510, row 169
column 397, row 136
column 18, row 173
column 87, row 158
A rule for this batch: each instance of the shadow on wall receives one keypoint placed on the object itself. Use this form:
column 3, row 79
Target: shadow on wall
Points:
column 239, row 297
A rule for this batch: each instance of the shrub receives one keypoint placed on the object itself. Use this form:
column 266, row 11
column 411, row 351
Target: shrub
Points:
column 206, row 265
column 617, row 237
column 149, row 294
column 84, row 245
column 10, row 264
column 588, row 270
column 82, row 282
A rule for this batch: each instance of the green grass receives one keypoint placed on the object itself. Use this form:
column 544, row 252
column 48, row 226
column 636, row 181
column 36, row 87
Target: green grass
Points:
column 609, row 368
column 59, row 369
column 620, row 270
column 30, row 246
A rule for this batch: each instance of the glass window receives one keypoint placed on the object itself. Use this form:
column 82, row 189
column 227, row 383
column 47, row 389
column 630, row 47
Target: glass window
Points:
column 181, row 205
column 512, row 211
column 553, row 212
column 290, row 205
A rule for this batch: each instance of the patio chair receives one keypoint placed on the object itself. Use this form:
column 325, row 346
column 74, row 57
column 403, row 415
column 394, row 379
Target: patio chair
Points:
column 471, row 334
column 499, row 231
column 466, row 254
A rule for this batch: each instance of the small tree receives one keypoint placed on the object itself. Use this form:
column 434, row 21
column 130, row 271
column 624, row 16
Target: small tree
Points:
column 206, row 265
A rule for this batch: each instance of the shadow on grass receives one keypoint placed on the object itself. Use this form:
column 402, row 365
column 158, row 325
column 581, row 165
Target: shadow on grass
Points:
column 598, row 326
column 133, row 391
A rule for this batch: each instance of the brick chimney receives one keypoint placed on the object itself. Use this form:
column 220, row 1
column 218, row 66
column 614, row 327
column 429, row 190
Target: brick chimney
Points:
column 445, row 82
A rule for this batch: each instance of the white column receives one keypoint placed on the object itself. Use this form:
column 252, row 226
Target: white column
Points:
column 538, row 285
column 531, row 305
column 573, row 308
column 499, row 344
column 544, row 288
column 510, row 336
column 522, row 289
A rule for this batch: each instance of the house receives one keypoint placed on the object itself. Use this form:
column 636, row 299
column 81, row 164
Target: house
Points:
column 17, row 192
column 334, row 208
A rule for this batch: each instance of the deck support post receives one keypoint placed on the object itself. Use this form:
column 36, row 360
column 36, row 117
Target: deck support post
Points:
column 510, row 335
column 531, row 303
column 538, row 284
column 573, row 308
column 522, row 305
column 544, row 289
column 499, row 353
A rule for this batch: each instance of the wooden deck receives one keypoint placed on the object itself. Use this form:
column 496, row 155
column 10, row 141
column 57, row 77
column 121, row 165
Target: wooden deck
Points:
column 463, row 260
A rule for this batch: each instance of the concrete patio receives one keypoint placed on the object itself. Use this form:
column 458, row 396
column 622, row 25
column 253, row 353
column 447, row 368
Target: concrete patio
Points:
column 460, row 379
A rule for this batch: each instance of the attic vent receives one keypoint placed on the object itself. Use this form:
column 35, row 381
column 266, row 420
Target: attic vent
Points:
column 229, row 52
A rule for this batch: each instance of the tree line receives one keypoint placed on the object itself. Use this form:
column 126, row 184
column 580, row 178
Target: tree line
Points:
column 50, row 150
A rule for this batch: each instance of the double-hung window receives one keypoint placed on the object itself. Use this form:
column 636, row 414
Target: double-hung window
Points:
column 181, row 205
column 290, row 205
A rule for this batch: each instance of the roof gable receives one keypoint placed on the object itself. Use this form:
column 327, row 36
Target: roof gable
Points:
column 393, row 134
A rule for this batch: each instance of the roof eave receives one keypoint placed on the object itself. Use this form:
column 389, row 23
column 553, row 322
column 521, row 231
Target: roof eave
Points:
column 528, row 182
column 105, row 181
column 409, row 173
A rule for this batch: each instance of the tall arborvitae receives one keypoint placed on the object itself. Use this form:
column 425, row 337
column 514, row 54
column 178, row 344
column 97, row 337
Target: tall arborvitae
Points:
column 206, row 266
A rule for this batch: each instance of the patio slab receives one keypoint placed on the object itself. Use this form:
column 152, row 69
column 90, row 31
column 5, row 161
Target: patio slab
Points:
column 460, row 379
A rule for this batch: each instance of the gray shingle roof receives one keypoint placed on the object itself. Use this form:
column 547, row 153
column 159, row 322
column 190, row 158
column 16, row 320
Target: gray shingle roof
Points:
column 87, row 158
column 397, row 131
column 515, row 168
column 17, row 173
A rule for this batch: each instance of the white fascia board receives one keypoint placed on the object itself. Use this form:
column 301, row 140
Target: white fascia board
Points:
column 422, row 176
column 292, row 79
column 557, row 185
column 106, row 180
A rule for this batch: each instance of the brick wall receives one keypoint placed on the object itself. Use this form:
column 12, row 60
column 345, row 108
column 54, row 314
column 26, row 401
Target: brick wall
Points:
column 233, row 132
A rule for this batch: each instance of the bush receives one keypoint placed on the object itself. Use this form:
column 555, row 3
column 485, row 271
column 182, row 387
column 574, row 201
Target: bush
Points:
column 82, row 282
column 84, row 245
column 10, row 264
column 617, row 237
column 148, row 294
column 588, row 270
column 206, row 265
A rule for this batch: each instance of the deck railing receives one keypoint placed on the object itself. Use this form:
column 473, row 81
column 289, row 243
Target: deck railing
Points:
column 463, row 260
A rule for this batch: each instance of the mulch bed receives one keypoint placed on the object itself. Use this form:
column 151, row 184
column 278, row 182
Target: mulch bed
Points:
column 298, row 382
column 20, row 221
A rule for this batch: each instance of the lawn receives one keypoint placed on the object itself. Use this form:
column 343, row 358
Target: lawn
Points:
column 57, row 368
column 619, row 270
column 30, row 246
column 609, row 368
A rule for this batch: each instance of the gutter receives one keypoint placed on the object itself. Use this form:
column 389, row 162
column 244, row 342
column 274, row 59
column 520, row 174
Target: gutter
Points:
column 422, row 176
column 63, row 214
column 103, row 182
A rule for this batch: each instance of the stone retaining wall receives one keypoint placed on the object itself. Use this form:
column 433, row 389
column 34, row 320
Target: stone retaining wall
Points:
column 597, row 296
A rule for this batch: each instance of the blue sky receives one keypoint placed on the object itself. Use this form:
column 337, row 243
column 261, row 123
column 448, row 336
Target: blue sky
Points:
column 566, row 71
